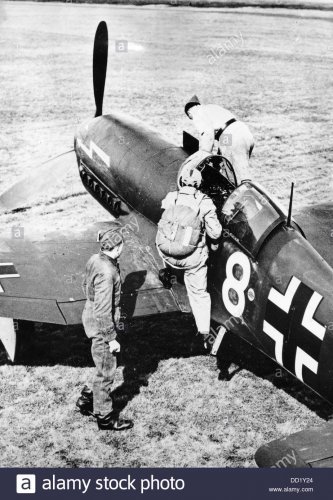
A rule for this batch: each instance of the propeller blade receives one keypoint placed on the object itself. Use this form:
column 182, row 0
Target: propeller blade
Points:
column 27, row 190
column 100, row 62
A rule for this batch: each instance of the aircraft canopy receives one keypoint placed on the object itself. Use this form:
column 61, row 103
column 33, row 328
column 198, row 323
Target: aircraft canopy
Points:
column 250, row 216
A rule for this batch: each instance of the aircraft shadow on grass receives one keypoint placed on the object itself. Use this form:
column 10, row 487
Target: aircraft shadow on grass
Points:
column 147, row 341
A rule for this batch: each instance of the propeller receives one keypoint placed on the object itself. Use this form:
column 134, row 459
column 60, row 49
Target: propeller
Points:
column 100, row 62
column 24, row 192
column 27, row 190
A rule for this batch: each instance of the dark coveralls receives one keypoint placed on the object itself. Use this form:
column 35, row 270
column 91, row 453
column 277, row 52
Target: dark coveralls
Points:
column 102, row 287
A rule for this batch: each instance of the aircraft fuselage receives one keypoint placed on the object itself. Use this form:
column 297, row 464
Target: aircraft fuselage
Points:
column 272, row 288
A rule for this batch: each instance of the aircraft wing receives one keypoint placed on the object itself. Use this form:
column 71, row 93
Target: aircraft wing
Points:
column 41, row 274
column 312, row 447
column 316, row 222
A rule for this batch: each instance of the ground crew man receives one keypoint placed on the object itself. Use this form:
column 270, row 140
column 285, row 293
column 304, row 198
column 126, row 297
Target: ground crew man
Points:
column 101, row 314
column 195, row 264
column 215, row 123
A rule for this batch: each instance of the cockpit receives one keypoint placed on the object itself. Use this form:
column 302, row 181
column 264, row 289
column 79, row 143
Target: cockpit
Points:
column 247, row 214
column 218, row 177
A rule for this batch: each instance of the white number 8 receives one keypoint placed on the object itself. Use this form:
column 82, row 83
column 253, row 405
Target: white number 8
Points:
column 238, row 285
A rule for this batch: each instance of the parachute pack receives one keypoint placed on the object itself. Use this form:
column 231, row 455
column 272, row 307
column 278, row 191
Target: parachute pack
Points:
column 180, row 229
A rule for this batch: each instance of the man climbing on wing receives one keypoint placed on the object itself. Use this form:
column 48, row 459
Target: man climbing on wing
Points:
column 234, row 138
column 189, row 215
column 100, row 317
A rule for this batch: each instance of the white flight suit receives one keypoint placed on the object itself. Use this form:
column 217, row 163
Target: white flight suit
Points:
column 236, row 143
column 195, row 265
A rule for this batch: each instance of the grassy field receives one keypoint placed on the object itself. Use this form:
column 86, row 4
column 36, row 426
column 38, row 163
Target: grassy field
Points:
column 274, row 71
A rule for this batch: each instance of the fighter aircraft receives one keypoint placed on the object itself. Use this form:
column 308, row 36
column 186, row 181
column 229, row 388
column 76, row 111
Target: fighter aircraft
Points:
column 268, row 284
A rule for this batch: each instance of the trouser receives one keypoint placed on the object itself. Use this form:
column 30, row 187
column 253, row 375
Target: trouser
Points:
column 196, row 285
column 106, row 364
column 236, row 144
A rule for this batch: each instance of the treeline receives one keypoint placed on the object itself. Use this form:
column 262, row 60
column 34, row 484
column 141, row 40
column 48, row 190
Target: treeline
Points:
column 326, row 5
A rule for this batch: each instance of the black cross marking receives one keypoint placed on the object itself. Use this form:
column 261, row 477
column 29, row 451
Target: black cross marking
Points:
column 295, row 335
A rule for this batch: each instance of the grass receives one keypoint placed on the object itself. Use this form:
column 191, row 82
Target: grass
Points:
column 184, row 416
column 279, row 82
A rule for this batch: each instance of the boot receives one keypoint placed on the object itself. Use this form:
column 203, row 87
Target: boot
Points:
column 111, row 422
column 85, row 402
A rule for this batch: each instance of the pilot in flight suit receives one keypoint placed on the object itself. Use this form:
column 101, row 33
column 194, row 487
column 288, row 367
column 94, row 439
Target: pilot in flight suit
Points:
column 216, row 123
column 100, row 316
column 195, row 265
